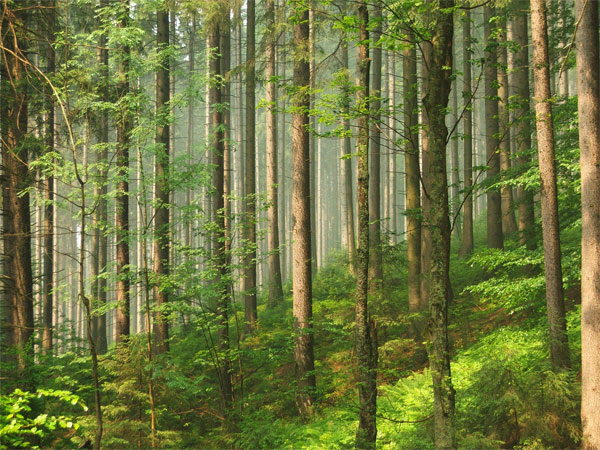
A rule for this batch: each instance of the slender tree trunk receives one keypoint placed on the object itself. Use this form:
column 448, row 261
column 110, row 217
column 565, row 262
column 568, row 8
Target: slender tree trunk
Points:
column 275, row 286
column 466, row 245
column 559, row 348
column 454, row 165
column 509, row 223
column 302, row 270
column 48, row 226
column 312, row 138
column 366, row 341
column 494, row 205
column 519, row 68
column 425, row 230
column 217, row 146
column 124, row 124
column 249, row 285
column 588, row 91
column 375, row 258
column 17, row 304
column 413, row 178
column 347, row 161
column 437, row 220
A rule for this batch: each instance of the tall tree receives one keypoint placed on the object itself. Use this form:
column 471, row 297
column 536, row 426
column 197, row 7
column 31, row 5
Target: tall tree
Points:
column 494, row 207
column 17, row 303
column 161, row 182
column 48, row 227
column 249, row 285
column 302, row 257
column 413, row 177
column 588, row 91
column 220, row 255
column 519, row 69
column 559, row 348
column 366, row 341
column 436, row 219
column 466, row 245
column 375, row 258
column 123, row 125
column 275, row 282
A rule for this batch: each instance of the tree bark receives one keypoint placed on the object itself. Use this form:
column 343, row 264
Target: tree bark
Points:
column 302, row 270
column 17, row 304
column 249, row 285
column 436, row 218
column 519, row 68
column 494, row 206
column 274, row 279
column 366, row 342
column 161, row 185
column 375, row 257
column 413, row 178
column 588, row 91
column 559, row 348
column 124, row 124
column 466, row 245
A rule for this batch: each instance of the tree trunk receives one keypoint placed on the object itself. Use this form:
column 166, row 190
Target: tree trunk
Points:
column 48, row 226
column 437, row 220
column 413, row 178
column 17, row 314
column 124, row 124
column 466, row 245
column 302, row 271
column 519, row 68
column 559, row 348
column 274, row 279
column 347, row 161
column 249, row 285
column 312, row 139
column 588, row 91
column 494, row 205
column 509, row 223
column 366, row 342
column 375, row 257
column 161, row 185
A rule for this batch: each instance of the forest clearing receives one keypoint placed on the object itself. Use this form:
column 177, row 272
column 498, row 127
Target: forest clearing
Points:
column 320, row 224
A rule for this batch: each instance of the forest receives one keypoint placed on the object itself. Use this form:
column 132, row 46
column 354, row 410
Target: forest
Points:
column 320, row 224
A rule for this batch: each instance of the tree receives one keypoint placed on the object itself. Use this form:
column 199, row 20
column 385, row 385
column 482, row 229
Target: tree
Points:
column 249, row 285
column 275, row 286
column 413, row 181
column 494, row 207
column 366, row 341
column 466, row 245
column 519, row 68
column 559, row 348
column 17, row 303
column 123, row 125
column 301, row 232
column 161, row 183
column 588, row 91
column 375, row 258
column 436, row 219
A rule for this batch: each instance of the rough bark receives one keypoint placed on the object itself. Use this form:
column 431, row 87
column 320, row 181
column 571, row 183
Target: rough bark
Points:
column 161, row 186
column 301, row 232
column 312, row 136
column 249, row 285
column 519, row 68
column 17, row 303
column 366, row 343
column 413, row 183
column 274, row 279
column 466, row 245
column 494, row 206
column 588, row 91
column 437, row 220
column 123, row 124
column 559, row 348
column 375, row 257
